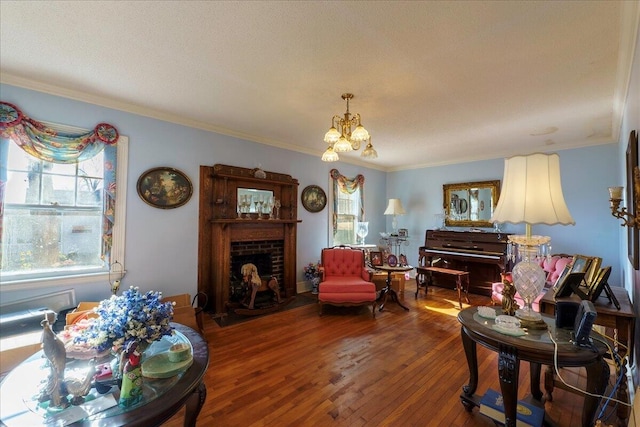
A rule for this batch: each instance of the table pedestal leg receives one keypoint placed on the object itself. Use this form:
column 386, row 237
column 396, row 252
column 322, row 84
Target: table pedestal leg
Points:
column 508, row 369
column 194, row 405
column 472, row 362
column 623, row 396
column 534, row 375
column 388, row 291
column 597, row 378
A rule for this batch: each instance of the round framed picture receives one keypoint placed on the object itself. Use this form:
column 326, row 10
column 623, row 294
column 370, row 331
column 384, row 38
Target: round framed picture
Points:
column 392, row 260
column 313, row 198
column 164, row 188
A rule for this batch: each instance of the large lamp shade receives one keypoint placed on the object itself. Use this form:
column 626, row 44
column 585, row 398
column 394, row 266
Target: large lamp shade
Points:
column 532, row 192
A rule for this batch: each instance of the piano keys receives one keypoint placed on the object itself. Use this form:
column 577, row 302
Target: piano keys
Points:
column 483, row 255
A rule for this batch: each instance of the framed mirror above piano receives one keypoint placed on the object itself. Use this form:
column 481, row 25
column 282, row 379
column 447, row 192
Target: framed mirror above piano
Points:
column 470, row 204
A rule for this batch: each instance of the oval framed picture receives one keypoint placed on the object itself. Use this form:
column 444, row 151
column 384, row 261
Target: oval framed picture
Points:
column 392, row 260
column 164, row 188
column 313, row 198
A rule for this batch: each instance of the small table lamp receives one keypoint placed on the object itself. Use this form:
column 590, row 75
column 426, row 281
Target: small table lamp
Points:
column 531, row 193
column 394, row 208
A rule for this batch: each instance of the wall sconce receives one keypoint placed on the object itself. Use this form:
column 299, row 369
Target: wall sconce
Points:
column 615, row 197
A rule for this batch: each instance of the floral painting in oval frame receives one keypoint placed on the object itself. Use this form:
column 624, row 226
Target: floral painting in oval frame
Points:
column 164, row 188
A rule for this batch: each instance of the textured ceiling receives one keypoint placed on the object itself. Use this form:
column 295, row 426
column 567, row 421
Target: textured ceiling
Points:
column 435, row 82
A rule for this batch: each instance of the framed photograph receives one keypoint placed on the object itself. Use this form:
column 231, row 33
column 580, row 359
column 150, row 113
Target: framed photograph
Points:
column 632, row 232
column 403, row 260
column 594, row 269
column 599, row 283
column 570, row 284
column 164, row 188
column 313, row 198
column 561, row 278
column 580, row 264
column 403, row 232
column 392, row 260
column 376, row 258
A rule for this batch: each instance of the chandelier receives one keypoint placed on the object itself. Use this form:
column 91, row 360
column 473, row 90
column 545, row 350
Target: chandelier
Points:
column 341, row 138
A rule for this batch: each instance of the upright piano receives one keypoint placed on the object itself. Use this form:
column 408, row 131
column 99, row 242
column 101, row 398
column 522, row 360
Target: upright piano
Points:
column 482, row 254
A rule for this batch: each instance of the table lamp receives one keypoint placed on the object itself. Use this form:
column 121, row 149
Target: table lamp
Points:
column 531, row 194
column 394, row 208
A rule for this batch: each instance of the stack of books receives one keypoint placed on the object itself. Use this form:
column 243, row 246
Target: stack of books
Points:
column 527, row 415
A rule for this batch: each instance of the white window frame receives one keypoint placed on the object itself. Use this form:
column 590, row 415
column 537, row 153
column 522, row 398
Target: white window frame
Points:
column 331, row 212
column 118, row 236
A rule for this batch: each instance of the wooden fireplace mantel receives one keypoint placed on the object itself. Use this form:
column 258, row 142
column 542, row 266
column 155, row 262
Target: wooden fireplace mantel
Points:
column 219, row 226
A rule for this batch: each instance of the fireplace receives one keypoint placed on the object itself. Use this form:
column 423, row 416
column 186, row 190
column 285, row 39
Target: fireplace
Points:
column 267, row 256
column 226, row 242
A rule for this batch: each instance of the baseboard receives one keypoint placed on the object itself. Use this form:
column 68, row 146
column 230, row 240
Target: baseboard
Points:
column 303, row 287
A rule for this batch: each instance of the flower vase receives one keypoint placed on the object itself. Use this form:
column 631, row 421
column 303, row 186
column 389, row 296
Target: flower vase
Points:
column 131, row 374
column 315, row 282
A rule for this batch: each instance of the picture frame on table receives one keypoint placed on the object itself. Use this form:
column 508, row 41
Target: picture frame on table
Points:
column 570, row 283
column 593, row 270
column 392, row 260
column 580, row 264
column 164, row 188
column 403, row 232
column 599, row 283
column 403, row 260
column 376, row 258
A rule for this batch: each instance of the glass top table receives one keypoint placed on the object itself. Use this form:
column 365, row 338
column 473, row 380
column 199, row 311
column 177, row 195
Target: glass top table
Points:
column 162, row 397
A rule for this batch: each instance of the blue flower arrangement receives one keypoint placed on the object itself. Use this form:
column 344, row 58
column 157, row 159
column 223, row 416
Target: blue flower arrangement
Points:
column 312, row 271
column 130, row 317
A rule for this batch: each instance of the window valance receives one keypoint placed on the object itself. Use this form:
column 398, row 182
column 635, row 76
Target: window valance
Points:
column 349, row 186
column 51, row 145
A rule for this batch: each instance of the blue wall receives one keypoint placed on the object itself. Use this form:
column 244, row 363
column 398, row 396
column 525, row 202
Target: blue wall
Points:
column 586, row 174
column 161, row 245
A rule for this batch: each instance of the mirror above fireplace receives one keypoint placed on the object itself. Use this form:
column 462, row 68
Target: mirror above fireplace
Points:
column 257, row 199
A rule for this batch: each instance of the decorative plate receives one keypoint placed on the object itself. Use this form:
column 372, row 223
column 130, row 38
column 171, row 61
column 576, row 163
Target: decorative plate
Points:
column 392, row 260
column 159, row 366
column 313, row 198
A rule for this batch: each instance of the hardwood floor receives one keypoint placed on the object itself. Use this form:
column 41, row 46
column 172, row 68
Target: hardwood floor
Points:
column 345, row 368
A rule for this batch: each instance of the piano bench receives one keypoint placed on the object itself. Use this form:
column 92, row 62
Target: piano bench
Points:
column 423, row 272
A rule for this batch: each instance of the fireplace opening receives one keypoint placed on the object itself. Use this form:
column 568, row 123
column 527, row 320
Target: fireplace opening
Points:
column 268, row 257
column 261, row 261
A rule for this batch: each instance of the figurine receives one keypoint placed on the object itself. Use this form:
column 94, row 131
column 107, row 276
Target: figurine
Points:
column 80, row 387
column 509, row 304
column 56, row 354
column 131, row 389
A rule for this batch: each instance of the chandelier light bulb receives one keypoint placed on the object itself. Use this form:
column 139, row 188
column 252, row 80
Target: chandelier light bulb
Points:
column 360, row 134
column 330, row 156
column 332, row 136
column 342, row 146
column 369, row 152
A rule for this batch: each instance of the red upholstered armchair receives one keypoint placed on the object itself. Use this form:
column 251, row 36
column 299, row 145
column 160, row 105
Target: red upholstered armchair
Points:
column 344, row 280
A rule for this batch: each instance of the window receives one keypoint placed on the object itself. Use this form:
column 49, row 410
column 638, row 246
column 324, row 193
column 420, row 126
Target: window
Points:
column 54, row 217
column 347, row 215
column 347, row 207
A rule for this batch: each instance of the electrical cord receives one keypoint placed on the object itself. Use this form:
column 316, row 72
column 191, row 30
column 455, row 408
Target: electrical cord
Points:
column 557, row 371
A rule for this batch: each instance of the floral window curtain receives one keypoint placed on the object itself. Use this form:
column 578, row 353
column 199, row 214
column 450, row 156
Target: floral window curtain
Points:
column 50, row 145
column 346, row 185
